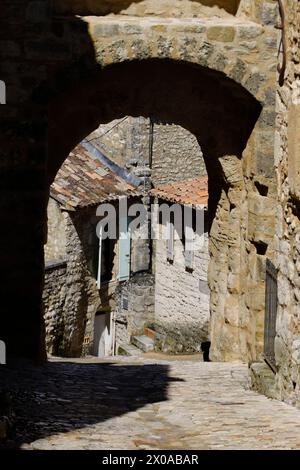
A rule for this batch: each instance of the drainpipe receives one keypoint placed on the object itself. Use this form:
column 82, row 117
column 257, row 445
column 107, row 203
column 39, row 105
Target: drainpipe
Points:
column 113, row 321
column 151, row 130
column 283, row 45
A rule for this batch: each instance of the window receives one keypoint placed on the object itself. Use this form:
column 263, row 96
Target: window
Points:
column 105, row 261
column 189, row 238
column 189, row 255
column 170, row 241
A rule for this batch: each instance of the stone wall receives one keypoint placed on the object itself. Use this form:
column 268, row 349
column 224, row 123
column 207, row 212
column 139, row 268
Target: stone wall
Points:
column 63, row 79
column 55, row 248
column 54, row 297
column 175, row 152
column 176, row 156
column 188, row 73
column 287, row 154
column 134, row 307
column 182, row 310
column 71, row 296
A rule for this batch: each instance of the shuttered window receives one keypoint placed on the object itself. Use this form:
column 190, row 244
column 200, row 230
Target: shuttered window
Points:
column 189, row 235
column 170, row 241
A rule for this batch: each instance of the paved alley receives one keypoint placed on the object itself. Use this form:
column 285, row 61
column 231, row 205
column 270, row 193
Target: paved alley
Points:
column 146, row 403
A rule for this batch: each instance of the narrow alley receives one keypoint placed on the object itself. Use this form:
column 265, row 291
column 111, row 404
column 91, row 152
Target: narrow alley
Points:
column 146, row 403
column 150, row 214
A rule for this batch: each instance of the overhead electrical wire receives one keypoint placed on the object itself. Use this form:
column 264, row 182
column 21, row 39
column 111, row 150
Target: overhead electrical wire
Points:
column 107, row 132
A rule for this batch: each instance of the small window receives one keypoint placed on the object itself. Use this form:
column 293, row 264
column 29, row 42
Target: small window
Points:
column 170, row 241
column 107, row 260
column 104, row 260
column 189, row 257
column 189, row 239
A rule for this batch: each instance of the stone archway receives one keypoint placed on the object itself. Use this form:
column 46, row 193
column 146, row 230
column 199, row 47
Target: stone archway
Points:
column 220, row 113
column 219, row 79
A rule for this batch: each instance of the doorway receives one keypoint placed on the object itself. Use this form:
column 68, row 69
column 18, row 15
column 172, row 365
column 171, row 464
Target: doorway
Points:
column 103, row 334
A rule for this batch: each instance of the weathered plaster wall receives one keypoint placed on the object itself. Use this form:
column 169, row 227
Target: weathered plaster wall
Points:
column 182, row 313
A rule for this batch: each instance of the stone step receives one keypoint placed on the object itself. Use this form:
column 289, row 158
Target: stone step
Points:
column 263, row 380
column 129, row 350
column 143, row 342
column 150, row 333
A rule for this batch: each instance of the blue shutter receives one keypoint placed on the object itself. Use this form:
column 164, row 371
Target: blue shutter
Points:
column 124, row 250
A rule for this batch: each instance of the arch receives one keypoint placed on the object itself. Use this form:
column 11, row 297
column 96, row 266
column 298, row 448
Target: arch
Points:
column 94, row 7
column 215, row 108
column 218, row 111
column 200, row 42
column 209, row 79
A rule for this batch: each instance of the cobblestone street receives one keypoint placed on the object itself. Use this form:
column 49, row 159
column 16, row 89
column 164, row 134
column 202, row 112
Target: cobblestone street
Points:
column 147, row 403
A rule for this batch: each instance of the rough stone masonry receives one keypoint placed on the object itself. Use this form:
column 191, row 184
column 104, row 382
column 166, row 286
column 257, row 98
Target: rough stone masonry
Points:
column 66, row 74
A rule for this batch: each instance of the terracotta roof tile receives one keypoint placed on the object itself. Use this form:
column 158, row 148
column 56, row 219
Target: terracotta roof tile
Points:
column 83, row 181
column 192, row 192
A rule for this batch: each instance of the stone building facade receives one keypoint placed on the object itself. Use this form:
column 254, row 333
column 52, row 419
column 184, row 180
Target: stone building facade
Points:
column 180, row 267
column 74, row 308
column 68, row 67
column 284, row 381
column 80, row 297
column 171, row 152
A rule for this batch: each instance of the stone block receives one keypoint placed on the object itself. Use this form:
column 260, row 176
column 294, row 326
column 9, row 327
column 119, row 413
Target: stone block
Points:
column 281, row 351
column 263, row 379
column 294, row 150
column 221, row 33
column 232, row 169
column 261, row 219
column 269, row 13
column 105, row 30
column 296, row 351
column 254, row 81
column 238, row 71
column 232, row 310
column 205, row 52
column 144, row 343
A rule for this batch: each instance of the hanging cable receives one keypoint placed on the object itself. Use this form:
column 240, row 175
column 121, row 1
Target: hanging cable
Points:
column 107, row 132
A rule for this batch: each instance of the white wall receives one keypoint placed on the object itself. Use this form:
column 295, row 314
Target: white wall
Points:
column 181, row 296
